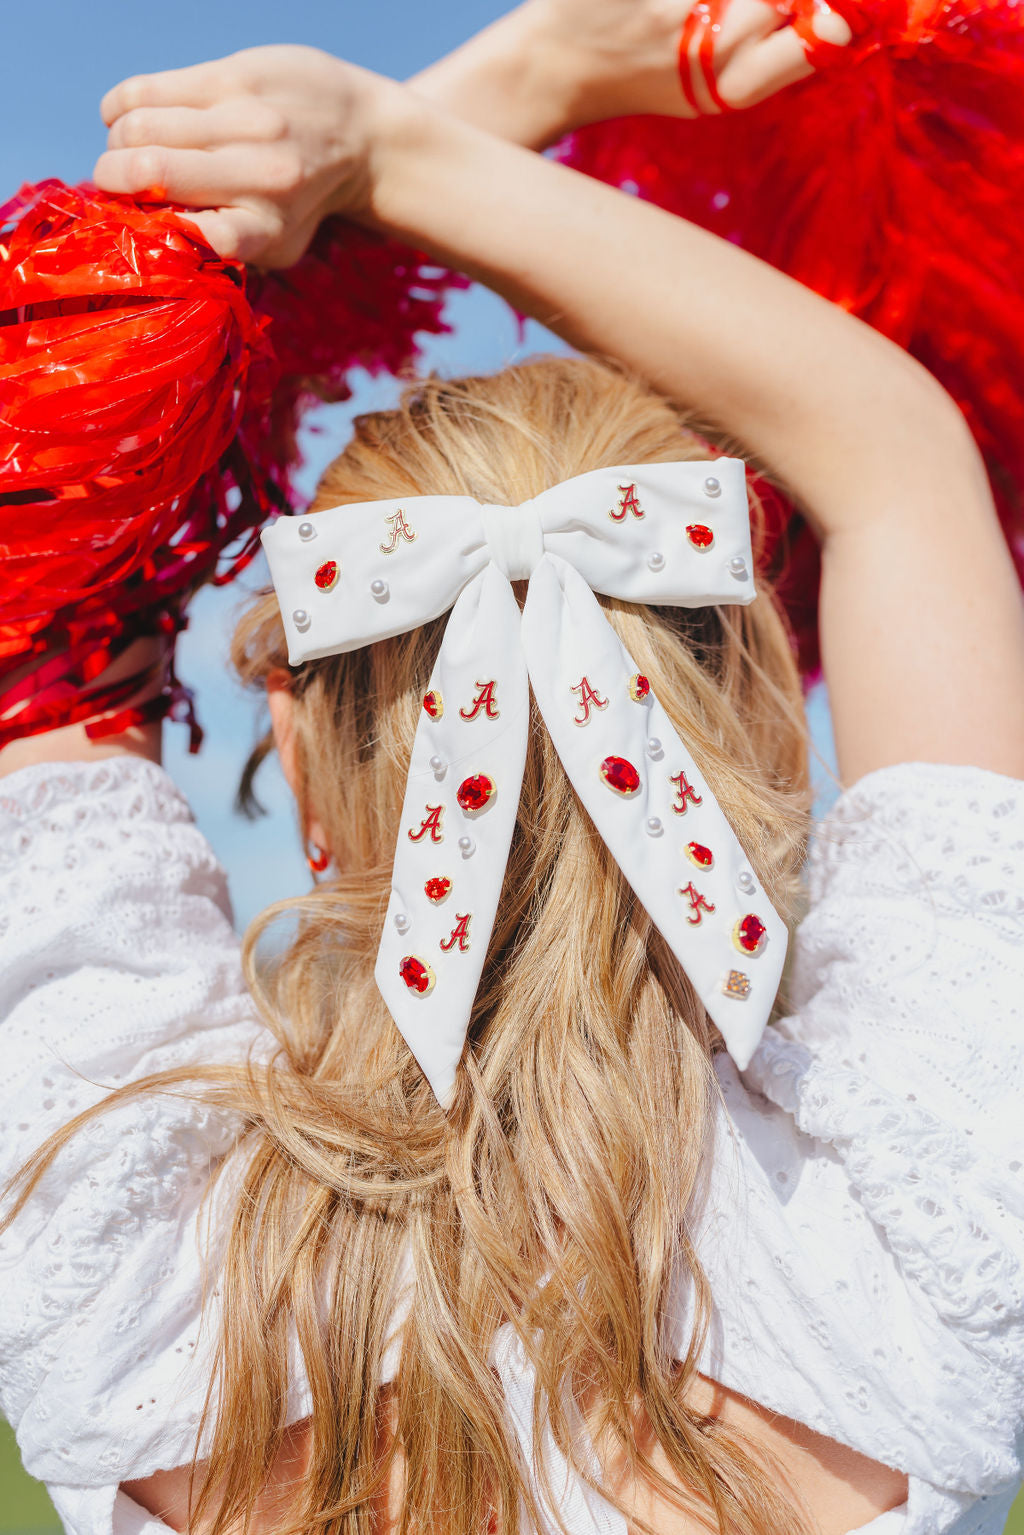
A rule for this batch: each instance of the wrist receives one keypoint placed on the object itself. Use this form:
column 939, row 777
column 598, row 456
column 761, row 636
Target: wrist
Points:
column 518, row 79
column 380, row 132
column 408, row 144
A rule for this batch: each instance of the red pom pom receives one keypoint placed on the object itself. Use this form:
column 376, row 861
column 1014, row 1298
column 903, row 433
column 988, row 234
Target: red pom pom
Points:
column 892, row 183
column 149, row 399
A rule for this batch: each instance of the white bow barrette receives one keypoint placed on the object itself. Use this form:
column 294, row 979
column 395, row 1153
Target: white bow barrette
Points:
column 676, row 534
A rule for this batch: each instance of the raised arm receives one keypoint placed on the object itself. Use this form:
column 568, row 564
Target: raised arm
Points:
column 550, row 66
column 921, row 617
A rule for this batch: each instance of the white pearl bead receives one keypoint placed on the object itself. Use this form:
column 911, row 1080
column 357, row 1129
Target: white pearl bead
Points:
column 437, row 765
column 655, row 561
column 712, row 487
column 380, row 590
column 654, row 747
column 467, row 847
column 306, row 531
column 654, row 826
column 746, row 881
column 738, row 567
column 402, row 923
column 300, row 618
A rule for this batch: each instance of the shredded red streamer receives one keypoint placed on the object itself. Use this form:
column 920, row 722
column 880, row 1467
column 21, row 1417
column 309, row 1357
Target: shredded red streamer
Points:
column 149, row 398
column 892, row 183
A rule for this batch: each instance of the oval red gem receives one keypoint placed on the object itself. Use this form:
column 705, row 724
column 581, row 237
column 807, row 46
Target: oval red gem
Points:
column 327, row 575
column 416, row 974
column 433, row 703
column 620, row 775
column 639, row 688
column 437, row 888
column 700, row 537
column 702, row 856
column 749, row 934
column 474, row 793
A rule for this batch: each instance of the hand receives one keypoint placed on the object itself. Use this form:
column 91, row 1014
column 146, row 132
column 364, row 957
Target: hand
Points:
column 262, row 145
column 553, row 65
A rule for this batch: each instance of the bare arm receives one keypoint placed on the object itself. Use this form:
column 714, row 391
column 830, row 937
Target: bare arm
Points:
column 921, row 616
column 550, row 66
column 922, row 627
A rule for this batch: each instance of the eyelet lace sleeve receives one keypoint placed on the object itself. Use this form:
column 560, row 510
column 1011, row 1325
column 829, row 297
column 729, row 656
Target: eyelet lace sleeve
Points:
column 904, row 1055
column 117, row 959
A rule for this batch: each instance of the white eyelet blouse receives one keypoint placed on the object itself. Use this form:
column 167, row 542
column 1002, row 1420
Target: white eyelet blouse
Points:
column 864, row 1229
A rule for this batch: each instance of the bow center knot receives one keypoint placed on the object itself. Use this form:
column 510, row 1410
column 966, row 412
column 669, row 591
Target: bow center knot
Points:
column 514, row 538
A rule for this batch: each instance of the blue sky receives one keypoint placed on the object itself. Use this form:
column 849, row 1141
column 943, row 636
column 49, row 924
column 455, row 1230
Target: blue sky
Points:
column 62, row 55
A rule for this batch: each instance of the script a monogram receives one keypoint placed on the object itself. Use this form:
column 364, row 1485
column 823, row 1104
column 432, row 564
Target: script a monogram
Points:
column 484, row 701
column 431, row 825
column 684, row 791
column 589, row 699
column 698, row 904
column 627, row 503
column 459, row 935
column 399, row 529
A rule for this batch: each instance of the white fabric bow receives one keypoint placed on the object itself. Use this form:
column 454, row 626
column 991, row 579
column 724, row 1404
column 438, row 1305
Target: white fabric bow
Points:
column 675, row 534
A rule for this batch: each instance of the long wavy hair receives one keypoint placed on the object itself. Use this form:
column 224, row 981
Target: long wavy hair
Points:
column 557, row 1194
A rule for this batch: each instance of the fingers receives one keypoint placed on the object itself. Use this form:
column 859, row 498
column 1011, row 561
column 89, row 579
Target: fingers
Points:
column 178, row 127
column 255, row 235
column 239, row 234
column 764, row 67
column 200, row 178
column 831, row 27
column 745, row 21
column 197, row 86
column 730, row 31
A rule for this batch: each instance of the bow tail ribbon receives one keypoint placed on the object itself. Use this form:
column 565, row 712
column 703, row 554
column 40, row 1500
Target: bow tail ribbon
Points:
column 460, row 810
column 639, row 783
column 652, row 807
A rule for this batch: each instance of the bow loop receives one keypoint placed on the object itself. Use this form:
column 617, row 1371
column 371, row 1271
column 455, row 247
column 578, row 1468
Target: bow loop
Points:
column 674, row 534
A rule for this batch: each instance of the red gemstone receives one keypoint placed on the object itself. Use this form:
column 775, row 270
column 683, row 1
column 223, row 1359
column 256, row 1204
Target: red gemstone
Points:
column 620, row 775
column 700, row 537
column 639, row 688
column 327, row 575
column 474, row 793
column 433, row 703
column 749, row 934
column 702, row 856
column 437, row 888
column 416, row 974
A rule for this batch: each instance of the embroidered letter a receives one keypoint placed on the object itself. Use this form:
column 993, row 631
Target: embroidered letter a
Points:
column 684, row 791
column 399, row 529
column 590, row 698
column 484, row 701
column 459, row 934
column 431, row 825
column 627, row 503
column 698, row 904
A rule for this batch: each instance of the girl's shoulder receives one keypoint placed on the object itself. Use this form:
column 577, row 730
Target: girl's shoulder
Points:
column 910, row 960
column 868, row 1183
column 117, row 960
column 918, row 825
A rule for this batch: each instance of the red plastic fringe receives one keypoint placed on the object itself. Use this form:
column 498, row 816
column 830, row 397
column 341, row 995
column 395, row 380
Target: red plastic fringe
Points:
column 892, row 183
column 149, row 398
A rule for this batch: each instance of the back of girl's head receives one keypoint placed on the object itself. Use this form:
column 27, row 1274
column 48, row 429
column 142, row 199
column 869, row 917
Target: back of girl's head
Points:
column 570, row 940
column 553, row 1192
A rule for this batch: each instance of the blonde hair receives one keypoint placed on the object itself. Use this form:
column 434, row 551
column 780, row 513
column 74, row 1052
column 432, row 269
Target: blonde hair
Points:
column 555, row 1193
